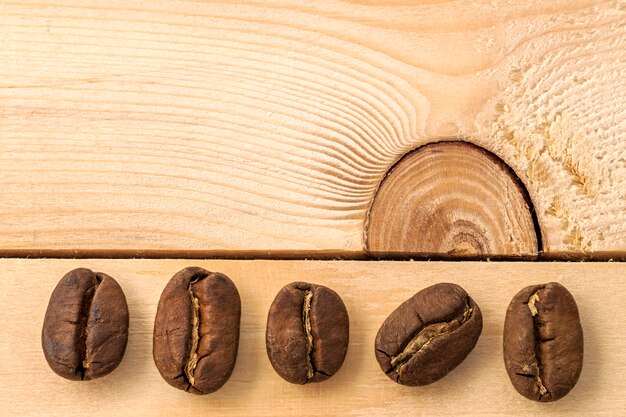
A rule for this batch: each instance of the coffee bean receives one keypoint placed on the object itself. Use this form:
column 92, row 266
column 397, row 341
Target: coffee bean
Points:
column 85, row 329
column 307, row 333
column 543, row 342
column 196, row 330
column 428, row 335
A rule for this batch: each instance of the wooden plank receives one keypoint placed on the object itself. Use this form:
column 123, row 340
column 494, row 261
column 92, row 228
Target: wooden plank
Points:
column 268, row 125
column 370, row 290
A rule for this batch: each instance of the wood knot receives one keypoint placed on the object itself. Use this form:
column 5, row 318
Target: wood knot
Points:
column 453, row 200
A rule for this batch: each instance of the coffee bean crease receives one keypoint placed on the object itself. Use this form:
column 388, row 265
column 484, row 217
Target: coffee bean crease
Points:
column 306, row 318
column 84, row 333
column 192, row 362
column 535, row 368
column 425, row 336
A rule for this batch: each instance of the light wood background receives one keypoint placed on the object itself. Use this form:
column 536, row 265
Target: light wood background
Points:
column 266, row 126
column 370, row 290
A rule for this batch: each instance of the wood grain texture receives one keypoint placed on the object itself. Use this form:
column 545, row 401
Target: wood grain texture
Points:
column 370, row 290
column 268, row 125
column 454, row 199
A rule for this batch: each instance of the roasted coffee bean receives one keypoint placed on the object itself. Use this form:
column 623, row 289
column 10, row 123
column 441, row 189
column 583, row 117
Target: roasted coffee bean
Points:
column 85, row 329
column 196, row 330
column 307, row 333
column 543, row 342
column 428, row 335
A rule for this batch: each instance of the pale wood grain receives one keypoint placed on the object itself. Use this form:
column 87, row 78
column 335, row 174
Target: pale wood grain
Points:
column 370, row 290
column 452, row 199
column 268, row 125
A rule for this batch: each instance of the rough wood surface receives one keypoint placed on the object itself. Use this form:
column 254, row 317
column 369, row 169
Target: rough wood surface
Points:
column 370, row 290
column 268, row 125
column 455, row 199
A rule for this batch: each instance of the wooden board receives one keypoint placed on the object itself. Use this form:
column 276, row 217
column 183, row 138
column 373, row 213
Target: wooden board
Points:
column 266, row 126
column 370, row 290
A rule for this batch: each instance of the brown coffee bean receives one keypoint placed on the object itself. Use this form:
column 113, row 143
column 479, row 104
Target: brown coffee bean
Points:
column 428, row 335
column 85, row 329
column 307, row 333
column 196, row 330
column 543, row 342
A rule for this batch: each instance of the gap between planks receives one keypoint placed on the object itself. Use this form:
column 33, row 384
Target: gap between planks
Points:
column 322, row 255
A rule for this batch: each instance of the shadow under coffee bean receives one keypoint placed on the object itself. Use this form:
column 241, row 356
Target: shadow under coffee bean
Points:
column 428, row 335
column 196, row 330
column 85, row 329
column 307, row 333
column 543, row 342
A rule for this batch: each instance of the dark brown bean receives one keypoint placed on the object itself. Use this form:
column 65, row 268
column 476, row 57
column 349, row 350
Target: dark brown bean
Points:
column 307, row 333
column 428, row 335
column 196, row 330
column 543, row 342
column 85, row 329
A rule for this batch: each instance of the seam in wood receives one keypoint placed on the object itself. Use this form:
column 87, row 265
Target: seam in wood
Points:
column 300, row 256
